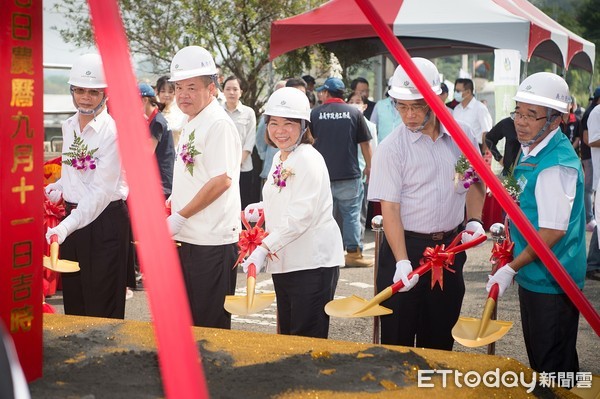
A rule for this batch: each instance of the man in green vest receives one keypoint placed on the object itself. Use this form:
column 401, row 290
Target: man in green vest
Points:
column 551, row 179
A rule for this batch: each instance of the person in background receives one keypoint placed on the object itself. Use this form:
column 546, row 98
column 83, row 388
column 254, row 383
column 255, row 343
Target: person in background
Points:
column 505, row 129
column 359, row 101
column 310, row 90
column 471, row 111
column 570, row 126
column 338, row 128
column 590, row 125
column 413, row 179
column 95, row 232
column 245, row 122
column 265, row 151
column 205, row 202
column 552, row 200
column 175, row 118
column 304, row 239
column 385, row 116
column 361, row 85
column 160, row 136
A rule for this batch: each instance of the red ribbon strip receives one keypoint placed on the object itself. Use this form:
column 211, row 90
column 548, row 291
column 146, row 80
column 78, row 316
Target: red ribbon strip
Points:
column 250, row 238
column 178, row 356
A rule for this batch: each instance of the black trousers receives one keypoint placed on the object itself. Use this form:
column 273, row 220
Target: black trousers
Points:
column 550, row 323
column 301, row 300
column 101, row 248
column 422, row 316
column 209, row 276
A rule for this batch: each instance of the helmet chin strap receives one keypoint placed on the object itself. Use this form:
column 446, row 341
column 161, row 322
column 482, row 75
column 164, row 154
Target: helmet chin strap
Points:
column 84, row 111
column 303, row 129
column 549, row 119
column 425, row 121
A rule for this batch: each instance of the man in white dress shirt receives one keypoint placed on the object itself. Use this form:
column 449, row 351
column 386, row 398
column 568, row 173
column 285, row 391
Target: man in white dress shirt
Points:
column 205, row 202
column 413, row 179
column 471, row 111
column 95, row 232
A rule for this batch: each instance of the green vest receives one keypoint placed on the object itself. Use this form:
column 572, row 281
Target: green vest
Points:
column 570, row 250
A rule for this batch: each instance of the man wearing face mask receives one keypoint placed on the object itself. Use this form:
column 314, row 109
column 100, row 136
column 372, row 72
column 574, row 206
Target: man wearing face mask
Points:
column 338, row 129
column 471, row 111
column 413, row 180
column 95, row 232
column 550, row 175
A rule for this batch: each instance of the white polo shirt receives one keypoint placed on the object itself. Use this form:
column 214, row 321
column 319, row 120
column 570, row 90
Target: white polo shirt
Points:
column 299, row 217
column 476, row 116
column 220, row 151
column 245, row 122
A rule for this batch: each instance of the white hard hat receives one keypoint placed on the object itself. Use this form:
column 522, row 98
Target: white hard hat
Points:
column 402, row 87
column 545, row 89
column 190, row 62
column 87, row 72
column 288, row 102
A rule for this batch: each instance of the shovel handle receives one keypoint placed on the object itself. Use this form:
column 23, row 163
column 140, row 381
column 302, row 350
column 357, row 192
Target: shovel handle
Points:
column 494, row 292
column 251, row 270
column 467, row 245
column 53, row 238
column 419, row 270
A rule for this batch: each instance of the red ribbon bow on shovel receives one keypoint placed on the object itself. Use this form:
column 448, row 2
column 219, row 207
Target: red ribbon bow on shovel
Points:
column 251, row 237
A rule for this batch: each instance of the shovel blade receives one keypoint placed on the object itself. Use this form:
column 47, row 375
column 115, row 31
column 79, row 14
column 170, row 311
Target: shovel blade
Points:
column 466, row 329
column 238, row 305
column 352, row 306
column 62, row 265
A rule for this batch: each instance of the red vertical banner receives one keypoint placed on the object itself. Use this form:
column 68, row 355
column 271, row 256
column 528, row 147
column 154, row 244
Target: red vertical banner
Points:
column 21, row 178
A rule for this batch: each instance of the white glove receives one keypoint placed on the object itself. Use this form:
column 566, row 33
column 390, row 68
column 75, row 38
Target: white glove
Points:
column 503, row 277
column 252, row 212
column 477, row 231
column 403, row 269
column 54, row 192
column 257, row 257
column 60, row 230
column 175, row 222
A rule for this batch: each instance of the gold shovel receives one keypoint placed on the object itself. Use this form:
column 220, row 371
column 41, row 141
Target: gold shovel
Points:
column 472, row 332
column 251, row 303
column 58, row 265
column 355, row 306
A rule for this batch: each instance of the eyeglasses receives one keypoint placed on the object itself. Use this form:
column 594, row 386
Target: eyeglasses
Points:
column 526, row 118
column 91, row 92
column 415, row 108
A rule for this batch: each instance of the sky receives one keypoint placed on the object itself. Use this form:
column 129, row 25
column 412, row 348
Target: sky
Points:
column 56, row 51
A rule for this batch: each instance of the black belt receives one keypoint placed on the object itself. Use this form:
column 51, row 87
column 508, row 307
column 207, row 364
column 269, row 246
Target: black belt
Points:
column 69, row 206
column 439, row 236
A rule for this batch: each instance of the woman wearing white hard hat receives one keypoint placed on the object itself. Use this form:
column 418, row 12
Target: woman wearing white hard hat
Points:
column 95, row 232
column 304, row 240
column 413, row 179
column 550, row 175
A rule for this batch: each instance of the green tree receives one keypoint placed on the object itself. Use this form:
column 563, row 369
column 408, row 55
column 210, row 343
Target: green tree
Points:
column 237, row 32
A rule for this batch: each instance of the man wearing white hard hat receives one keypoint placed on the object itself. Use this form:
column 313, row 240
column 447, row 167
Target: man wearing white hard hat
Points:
column 205, row 201
column 413, row 179
column 551, row 178
column 95, row 232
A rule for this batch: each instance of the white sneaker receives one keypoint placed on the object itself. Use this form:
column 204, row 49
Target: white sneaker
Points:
column 591, row 225
column 128, row 293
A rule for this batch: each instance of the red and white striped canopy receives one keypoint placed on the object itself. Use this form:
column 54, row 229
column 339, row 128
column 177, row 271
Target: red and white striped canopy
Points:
column 433, row 28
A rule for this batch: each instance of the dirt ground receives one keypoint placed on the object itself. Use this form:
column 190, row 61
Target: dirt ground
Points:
column 98, row 364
